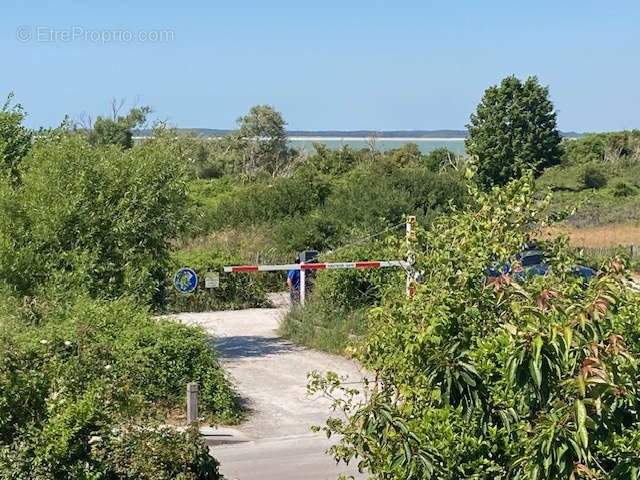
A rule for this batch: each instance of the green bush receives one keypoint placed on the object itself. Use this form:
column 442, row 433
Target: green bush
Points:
column 267, row 200
column 91, row 219
column 496, row 379
column 318, row 210
column 614, row 147
column 623, row 189
column 593, row 177
column 156, row 453
column 235, row 291
column 325, row 326
column 366, row 201
column 160, row 454
column 439, row 158
column 91, row 368
column 150, row 359
column 335, row 315
column 15, row 138
column 333, row 161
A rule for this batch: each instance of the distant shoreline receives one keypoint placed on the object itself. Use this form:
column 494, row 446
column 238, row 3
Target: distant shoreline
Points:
column 381, row 139
column 346, row 139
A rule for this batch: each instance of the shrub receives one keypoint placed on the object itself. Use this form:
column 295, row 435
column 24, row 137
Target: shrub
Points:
column 623, row 189
column 439, row 158
column 15, row 139
column 613, row 147
column 156, row 453
column 160, row 454
column 333, row 161
column 593, row 177
column 324, row 325
column 334, row 317
column 91, row 219
column 263, row 201
column 147, row 359
column 408, row 155
column 500, row 380
column 92, row 368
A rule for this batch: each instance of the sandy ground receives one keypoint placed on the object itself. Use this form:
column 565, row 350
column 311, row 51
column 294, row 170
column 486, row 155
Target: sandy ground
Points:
column 270, row 375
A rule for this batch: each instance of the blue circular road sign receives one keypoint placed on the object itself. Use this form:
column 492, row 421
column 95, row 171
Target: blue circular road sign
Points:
column 185, row 280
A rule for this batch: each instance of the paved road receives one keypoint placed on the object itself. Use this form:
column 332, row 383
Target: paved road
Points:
column 270, row 375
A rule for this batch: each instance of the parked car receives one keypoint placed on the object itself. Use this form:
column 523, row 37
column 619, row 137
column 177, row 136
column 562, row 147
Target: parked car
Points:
column 531, row 262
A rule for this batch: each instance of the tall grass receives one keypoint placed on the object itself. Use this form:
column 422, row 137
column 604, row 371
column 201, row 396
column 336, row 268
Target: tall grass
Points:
column 324, row 326
column 600, row 236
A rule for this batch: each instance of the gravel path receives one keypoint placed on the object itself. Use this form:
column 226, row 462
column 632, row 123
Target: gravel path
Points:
column 270, row 375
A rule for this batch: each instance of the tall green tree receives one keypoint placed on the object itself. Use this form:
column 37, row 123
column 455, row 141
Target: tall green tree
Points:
column 117, row 130
column 15, row 138
column 513, row 130
column 263, row 140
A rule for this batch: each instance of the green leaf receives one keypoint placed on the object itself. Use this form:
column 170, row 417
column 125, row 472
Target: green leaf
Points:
column 580, row 413
column 584, row 437
column 469, row 368
column 537, row 348
column 580, row 385
column 467, row 379
column 536, row 373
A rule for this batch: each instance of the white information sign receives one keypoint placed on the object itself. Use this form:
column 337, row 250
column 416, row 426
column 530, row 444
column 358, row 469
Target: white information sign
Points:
column 212, row 280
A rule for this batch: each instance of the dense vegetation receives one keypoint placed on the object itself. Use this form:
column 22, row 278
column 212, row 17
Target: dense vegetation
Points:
column 500, row 379
column 335, row 318
column 599, row 176
column 510, row 380
column 86, row 373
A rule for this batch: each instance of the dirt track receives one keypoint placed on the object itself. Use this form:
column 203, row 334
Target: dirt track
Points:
column 270, row 375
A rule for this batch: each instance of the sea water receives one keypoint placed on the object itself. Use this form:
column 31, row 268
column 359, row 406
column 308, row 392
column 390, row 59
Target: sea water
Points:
column 425, row 145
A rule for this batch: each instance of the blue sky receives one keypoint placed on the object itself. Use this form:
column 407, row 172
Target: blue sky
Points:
column 324, row 65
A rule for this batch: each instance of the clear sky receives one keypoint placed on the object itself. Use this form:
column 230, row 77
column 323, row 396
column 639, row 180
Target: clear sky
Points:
column 323, row 64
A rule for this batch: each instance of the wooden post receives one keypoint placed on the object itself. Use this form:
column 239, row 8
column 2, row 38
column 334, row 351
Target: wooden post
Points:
column 192, row 402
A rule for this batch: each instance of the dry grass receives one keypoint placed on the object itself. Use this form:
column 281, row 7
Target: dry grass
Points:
column 251, row 243
column 602, row 236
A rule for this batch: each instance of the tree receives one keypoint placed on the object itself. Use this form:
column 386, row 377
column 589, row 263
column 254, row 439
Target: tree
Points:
column 263, row 140
column 117, row 130
column 15, row 139
column 513, row 130
column 408, row 155
column 96, row 219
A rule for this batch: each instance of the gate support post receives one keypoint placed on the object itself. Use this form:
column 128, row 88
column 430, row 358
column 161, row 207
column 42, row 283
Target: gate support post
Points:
column 303, row 286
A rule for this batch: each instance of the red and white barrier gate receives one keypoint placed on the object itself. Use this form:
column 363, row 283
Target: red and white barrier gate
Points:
column 315, row 266
column 303, row 267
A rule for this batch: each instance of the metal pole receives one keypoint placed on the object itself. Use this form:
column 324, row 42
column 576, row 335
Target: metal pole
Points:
column 411, row 236
column 192, row 402
column 303, row 286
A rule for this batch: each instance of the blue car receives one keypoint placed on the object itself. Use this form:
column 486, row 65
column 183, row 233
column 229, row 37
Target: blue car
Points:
column 531, row 262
